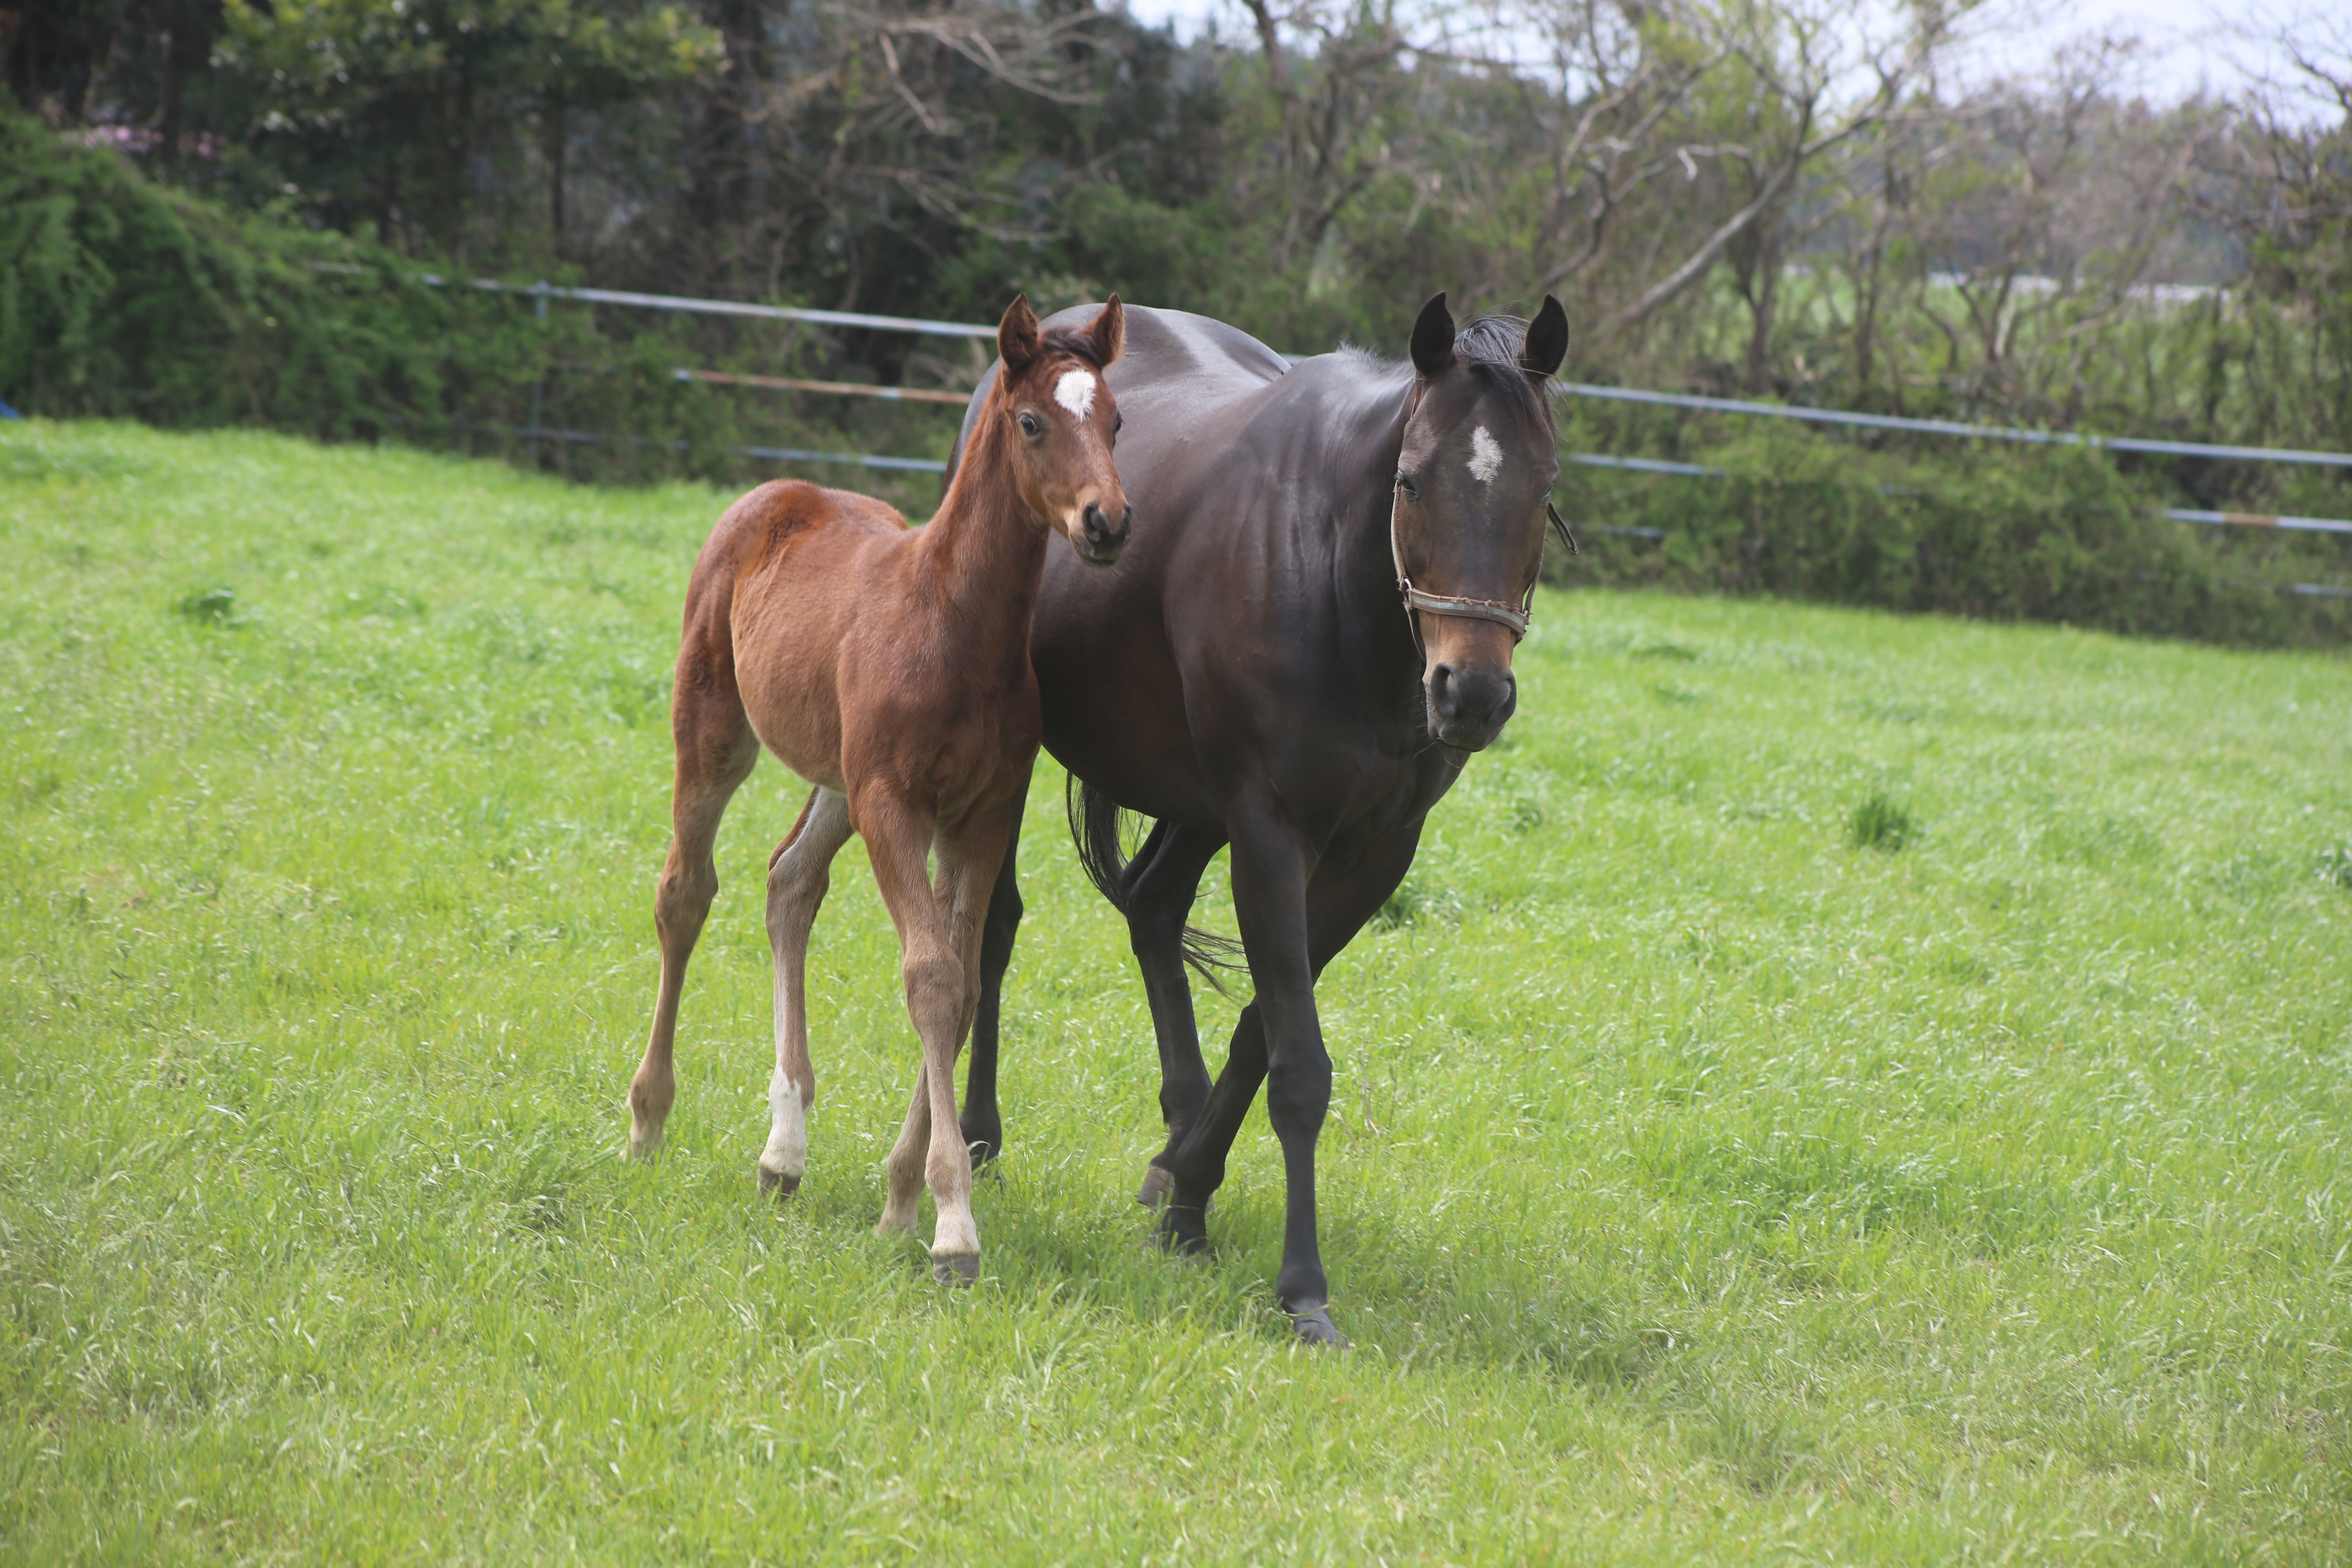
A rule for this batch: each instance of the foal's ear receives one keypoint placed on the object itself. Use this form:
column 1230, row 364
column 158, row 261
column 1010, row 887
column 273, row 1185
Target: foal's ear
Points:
column 1547, row 340
column 1432, row 337
column 1017, row 343
column 1107, row 333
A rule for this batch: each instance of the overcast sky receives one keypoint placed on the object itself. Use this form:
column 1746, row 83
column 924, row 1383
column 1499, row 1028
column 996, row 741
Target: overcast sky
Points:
column 2187, row 41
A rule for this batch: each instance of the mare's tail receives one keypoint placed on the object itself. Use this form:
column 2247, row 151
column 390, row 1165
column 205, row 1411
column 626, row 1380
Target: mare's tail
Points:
column 1094, row 827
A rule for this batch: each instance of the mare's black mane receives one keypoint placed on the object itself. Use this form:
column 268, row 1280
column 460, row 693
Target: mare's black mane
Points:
column 1488, row 348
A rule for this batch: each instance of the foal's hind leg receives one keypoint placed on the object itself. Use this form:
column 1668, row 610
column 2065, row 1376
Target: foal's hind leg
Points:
column 716, row 750
column 796, row 883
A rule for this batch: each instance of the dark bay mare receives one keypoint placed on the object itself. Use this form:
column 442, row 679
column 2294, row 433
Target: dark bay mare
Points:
column 1310, row 633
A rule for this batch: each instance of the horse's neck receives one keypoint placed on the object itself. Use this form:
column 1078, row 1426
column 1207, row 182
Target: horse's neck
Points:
column 986, row 552
column 1367, row 560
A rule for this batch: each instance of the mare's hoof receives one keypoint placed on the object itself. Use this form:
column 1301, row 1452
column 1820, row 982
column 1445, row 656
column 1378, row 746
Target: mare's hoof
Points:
column 1184, row 1232
column 958, row 1270
column 1159, row 1186
column 778, row 1184
column 1315, row 1328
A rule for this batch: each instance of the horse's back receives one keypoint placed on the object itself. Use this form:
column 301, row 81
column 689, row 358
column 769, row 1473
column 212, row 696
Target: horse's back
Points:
column 1177, row 347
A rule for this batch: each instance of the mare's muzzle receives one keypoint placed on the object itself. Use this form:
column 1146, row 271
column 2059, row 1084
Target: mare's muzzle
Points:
column 1468, row 706
column 1104, row 541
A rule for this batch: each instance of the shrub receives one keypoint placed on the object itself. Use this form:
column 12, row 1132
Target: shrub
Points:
column 2043, row 533
column 120, row 296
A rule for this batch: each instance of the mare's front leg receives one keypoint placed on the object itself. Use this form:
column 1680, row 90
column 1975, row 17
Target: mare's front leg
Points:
column 1270, row 872
column 797, row 878
column 938, row 942
column 716, row 752
column 982, row 1125
column 1341, row 894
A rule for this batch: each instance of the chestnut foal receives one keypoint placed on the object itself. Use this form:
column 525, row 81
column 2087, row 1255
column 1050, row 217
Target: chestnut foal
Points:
column 889, row 668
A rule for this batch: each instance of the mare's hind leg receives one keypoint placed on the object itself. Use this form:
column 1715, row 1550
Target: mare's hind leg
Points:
column 980, row 1123
column 939, row 937
column 716, row 750
column 797, row 878
column 1161, row 884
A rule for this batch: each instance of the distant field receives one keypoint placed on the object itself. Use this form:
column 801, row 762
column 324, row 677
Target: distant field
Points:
column 1703, row 1184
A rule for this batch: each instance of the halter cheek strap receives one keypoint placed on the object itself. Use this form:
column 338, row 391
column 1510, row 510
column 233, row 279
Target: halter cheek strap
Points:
column 1500, row 612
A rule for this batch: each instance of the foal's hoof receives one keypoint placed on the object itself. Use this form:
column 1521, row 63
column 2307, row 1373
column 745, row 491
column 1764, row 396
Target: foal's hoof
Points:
column 778, row 1184
column 1313, row 1327
column 958, row 1270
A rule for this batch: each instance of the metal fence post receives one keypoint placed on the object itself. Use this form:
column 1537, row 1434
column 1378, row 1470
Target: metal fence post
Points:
column 539, row 387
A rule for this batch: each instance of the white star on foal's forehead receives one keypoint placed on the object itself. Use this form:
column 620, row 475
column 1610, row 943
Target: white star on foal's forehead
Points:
column 1076, row 391
column 1486, row 456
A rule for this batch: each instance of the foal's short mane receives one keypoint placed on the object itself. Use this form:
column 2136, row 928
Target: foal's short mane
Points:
column 1488, row 348
column 1071, row 340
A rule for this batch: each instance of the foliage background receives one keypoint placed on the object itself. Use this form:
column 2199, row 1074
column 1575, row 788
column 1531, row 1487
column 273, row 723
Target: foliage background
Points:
column 1754, row 198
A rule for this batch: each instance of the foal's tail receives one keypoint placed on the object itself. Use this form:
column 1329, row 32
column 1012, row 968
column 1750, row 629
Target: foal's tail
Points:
column 1094, row 827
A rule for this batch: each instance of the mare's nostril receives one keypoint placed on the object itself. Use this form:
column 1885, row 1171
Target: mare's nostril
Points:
column 1442, row 693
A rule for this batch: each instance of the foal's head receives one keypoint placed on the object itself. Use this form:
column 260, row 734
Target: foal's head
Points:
column 1058, row 422
column 1474, row 478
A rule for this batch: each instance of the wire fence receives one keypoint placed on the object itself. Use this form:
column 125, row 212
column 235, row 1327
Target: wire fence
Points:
column 1953, row 428
column 543, row 291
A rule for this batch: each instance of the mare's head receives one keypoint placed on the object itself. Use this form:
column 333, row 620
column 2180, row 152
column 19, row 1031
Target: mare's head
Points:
column 1474, row 480
column 1058, row 421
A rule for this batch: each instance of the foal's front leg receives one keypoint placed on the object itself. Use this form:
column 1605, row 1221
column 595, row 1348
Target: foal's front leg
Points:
column 938, row 942
column 797, row 878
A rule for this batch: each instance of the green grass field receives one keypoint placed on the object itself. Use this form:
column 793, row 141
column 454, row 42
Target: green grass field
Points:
column 1836, row 1088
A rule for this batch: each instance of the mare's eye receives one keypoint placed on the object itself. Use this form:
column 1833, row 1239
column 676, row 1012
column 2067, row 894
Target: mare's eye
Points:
column 1029, row 426
column 1406, row 485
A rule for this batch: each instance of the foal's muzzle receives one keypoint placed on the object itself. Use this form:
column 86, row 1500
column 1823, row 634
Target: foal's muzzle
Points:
column 1468, row 707
column 1102, row 541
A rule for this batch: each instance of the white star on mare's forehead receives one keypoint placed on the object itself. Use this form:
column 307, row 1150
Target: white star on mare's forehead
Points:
column 1486, row 456
column 1076, row 391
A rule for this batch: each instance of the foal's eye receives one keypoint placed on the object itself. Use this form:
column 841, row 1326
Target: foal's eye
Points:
column 1029, row 426
column 1117, row 423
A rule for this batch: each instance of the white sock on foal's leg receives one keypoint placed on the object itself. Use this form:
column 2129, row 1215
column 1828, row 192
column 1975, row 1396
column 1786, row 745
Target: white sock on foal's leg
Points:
column 785, row 1159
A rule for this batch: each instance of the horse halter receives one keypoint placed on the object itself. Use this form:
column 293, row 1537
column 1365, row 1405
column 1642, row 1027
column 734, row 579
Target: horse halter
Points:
column 1501, row 612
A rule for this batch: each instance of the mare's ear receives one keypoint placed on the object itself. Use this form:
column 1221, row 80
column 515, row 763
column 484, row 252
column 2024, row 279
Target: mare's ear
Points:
column 1017, row 343
column 1107, row 333
column 1432, row 337
column 1547, row 340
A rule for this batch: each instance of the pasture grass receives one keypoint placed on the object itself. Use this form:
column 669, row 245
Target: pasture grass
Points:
column 1703, row 1183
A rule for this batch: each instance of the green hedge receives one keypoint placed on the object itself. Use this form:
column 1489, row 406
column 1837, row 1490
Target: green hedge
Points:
column 2003, row 532
column 123, row 297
